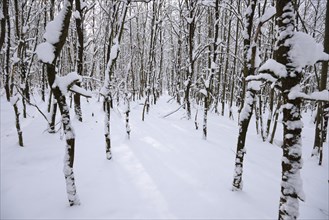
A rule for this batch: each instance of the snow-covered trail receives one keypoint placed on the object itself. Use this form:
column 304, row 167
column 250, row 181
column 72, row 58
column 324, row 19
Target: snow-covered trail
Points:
column 165, row 170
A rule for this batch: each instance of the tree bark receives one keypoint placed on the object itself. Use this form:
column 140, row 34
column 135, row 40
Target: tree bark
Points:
column 246, row 112
column 322, row 113
column 291, row 183
column 3, row 22
column 79, row 26
column 64, row 109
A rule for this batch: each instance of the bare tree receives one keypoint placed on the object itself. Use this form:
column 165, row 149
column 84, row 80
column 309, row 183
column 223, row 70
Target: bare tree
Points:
column 48, row 52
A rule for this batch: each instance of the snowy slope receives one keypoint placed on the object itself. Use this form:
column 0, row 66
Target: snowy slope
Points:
column 165, row 170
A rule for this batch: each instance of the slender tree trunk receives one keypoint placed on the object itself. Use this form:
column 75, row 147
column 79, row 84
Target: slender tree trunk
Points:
column 276, row 116
column 270, row 114
column 213, row 68
column 79, row 26
column 7, row 76
column 3, row 22
column 18, row 126
column 261, row 117
column 191, row 5
column 246, row 112
column 63, row 107
column 226, row 71
column 234, row 63
column 322, row 115
column 114, row 53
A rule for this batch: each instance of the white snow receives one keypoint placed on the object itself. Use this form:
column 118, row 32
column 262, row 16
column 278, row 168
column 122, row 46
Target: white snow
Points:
column 323, row 95
column 246, row 110
column 76, row 15
column 203, row 91
column 165, row 170
column 25, row 29
column 14, row 99
column 45, row 52
column 305, row 51
column 291, row 125
column 261, row 76
column 189, row 20
column 81, row 91
column 1, row 14
column 254, row 85
column 54, row 28
column 64, row 82
column 15, row 59
column 272, row 66
column 83, row 4
column 208, row 3
column 296, row 92
column 269, row 12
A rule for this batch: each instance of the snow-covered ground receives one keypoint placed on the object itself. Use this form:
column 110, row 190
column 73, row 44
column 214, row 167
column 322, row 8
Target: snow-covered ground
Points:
column 164, row 171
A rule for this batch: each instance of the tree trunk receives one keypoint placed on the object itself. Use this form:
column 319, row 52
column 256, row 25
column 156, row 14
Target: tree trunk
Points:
column 322, row 117
column 79, row 26
column 7, row 76
column 114, row 53
column 246, row 112
column 64, row 109
column 291, row 183
column 3, row 22
column 18, row 126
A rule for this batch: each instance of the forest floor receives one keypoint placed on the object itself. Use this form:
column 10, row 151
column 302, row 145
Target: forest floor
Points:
column 166, row 170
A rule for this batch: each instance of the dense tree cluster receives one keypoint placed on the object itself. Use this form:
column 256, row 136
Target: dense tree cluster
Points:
column 219, row 55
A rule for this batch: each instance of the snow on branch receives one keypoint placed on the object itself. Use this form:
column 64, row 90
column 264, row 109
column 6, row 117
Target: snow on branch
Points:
column 305, row 51
column 81, row 91
column 46, row 50
column 64, row 83
column 274, row 68
column 54, row 27
column 261, row 77
column 296, row 92
column 268, row 14
column 254, row 85
column 14, row 99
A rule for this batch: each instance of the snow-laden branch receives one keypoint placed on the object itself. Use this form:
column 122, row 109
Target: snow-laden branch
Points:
column 261, row 77
column 64, row 83
column 46, row 51
column 272, row 67
column 296, row 92
column 305, row 51
column 67, row 83
column 81, row 91
column 268, row 14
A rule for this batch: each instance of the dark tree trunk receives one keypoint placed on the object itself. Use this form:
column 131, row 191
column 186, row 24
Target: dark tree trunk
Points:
column 322, row 113
column 291, row 185
column 249, row 97
column 108, row 73
column 79, row 26
column 191, row 6
column 107, row 103
column 240, row 151
column 270, row 114
column 7, row 76
column 18, row 126
column 3, row 22
column 64, row 109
